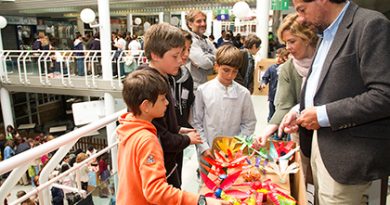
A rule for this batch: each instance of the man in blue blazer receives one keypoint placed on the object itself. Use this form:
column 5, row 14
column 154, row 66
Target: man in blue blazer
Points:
column 344, row 119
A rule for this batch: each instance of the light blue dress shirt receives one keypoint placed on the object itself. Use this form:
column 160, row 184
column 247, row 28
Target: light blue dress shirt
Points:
column 312, row 81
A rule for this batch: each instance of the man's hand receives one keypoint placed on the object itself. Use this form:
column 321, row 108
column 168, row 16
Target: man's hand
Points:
column 308, row 119
column 194, row 137
column 185, row 130
column 212, row 201
column 289, row 123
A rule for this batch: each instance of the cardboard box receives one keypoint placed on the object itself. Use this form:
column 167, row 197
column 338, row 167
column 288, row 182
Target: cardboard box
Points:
column 260, row 69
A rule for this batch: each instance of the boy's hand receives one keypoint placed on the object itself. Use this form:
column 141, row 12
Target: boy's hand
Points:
column 185, row 130
column 262, row 86
column 212, row 201
column 194, row 137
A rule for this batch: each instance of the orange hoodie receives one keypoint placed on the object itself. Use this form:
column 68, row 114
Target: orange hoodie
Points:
column 141, row 168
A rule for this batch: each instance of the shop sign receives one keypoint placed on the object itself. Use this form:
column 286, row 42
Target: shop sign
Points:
column 21, row 20
column 280, row 4
column 223, row 14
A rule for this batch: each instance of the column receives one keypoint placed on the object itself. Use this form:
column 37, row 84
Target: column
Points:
column 80, row 26
column 4, row 95
column 105, row 43
column 160, row 17
column 130, row 23
column 167, row 17
column 6, row 108
column 183, row 21
column 262, row 16
column 209, row 20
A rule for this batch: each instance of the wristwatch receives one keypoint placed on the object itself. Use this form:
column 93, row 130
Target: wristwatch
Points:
column 202, row 200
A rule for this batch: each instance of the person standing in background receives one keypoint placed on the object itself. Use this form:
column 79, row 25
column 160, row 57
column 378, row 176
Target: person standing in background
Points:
column 79, row 46
column 220, row 39
column 202, row 54
column 270, row 78
column 252, row 46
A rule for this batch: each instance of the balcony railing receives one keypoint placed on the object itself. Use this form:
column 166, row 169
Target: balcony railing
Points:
column 71, row 68
column 19, row 164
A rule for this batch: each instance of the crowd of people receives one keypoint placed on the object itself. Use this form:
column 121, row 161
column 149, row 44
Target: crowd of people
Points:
column 14, row 143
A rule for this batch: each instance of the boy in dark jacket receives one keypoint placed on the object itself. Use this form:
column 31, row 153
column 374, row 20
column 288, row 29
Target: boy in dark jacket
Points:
column 163, row 48
column 271, row 77
column 182, row 85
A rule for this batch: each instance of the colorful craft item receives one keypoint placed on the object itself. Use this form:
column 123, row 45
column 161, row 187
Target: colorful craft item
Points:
column 283, row 147
column 252, row 174
column 246, row 142
column 269, row 191
column 230, row 199
column 278, row 150
column 273, row 153
column 221, row 163
column 282, row 169
column 221, row 185
column 224, row 144
column 290, row 153
column 274, row 194
column 254, row 171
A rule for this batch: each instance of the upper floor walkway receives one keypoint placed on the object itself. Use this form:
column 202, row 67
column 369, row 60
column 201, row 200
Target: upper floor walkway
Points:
column 66, row 72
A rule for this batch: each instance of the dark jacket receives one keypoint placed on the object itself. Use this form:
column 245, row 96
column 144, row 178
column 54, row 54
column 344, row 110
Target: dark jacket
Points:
column 95, row 44
column 354, row 86
column 183, row 89
column 78, row 45
column 271, row 77
column 245, row 73
column 171, row 141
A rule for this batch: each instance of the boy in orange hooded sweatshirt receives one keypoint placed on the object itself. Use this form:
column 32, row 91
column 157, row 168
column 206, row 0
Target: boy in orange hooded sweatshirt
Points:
column 141, row 170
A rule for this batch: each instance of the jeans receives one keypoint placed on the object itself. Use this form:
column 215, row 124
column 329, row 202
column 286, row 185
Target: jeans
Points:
column 80, row 66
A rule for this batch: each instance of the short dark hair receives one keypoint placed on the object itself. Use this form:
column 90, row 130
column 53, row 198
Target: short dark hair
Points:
column 229, row 55
column 252, row 40
column 161, row 38
column 143, row 85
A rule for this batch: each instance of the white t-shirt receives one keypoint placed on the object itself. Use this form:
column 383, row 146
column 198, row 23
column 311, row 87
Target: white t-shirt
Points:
column 134, row 45
column 121, row 44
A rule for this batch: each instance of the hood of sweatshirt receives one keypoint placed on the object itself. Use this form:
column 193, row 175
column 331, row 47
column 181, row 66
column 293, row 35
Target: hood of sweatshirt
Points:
column 129, row 125
column 184, row 75
column 176, row 86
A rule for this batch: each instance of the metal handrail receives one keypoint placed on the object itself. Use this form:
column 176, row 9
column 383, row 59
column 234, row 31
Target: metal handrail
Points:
column 62, row 175
column 18, row 164
column 42, row 58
